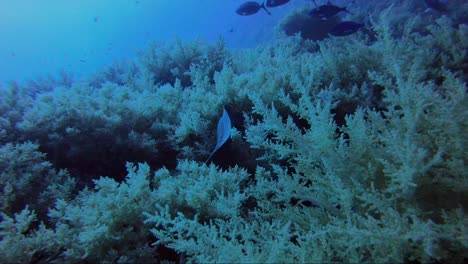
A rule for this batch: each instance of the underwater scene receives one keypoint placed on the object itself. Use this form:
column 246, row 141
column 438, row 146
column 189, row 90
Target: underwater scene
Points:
column 234, row 131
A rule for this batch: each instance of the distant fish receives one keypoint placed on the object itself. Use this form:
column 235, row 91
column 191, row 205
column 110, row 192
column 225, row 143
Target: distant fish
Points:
column 82, row 60
column 250, row 8
column 96, row 19
column 436, row 5
column 324, row 12
column 274, row 3
column 346, row 28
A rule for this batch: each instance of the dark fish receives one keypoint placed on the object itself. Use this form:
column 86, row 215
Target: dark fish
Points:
column 326, row 11
column 274, row 3
column 346, row 28
column 436, row 5
column 250, row 8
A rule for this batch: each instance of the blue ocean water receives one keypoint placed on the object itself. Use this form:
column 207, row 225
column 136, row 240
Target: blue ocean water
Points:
column 39, row 38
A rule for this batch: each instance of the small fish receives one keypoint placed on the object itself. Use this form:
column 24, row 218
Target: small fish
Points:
column 345, row 28
column 274, row 3
column 436, row 5
column 96, row 19
column 82, row 60
column 224, row 132
column 250, row 8
column 326, row 11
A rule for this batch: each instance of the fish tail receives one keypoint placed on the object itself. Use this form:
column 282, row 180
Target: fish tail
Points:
column 266, row 10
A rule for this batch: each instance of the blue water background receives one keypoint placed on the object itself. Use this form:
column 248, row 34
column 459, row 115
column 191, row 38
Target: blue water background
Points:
column 42, row 37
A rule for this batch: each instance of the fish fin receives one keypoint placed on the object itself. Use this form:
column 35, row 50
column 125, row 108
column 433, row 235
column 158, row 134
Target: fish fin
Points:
column 264, row 8
column 345, row 9
column 211, row 155
column 367, row 21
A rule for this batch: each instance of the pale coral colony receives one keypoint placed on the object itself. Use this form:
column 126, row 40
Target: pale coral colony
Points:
column 338, row 148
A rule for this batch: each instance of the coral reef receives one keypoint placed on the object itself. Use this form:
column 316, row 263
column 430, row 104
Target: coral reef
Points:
column 346, row 149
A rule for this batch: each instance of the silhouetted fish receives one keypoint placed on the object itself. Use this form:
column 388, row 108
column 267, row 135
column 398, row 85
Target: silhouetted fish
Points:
column 346, row 28
column 274, row 3
column 326, row 11
column 436, row 5
column 250, row 8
